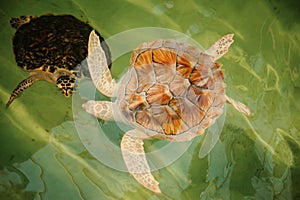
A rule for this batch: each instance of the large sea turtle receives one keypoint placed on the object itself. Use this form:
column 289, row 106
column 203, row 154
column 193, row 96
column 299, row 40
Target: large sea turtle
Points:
column 172, row 91
column 51, row 48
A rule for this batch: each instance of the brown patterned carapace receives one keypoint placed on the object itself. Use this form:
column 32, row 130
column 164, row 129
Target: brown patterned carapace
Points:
column 173, row 87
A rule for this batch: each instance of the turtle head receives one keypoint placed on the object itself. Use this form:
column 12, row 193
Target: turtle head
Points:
column 66, row 84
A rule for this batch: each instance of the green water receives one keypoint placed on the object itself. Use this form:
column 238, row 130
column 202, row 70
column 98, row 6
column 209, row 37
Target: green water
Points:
column 256, row 157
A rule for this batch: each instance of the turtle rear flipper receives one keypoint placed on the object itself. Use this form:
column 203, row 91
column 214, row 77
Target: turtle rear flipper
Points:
column 238, row 106
column 135, row 160
column 100, row 109
column 23, row 85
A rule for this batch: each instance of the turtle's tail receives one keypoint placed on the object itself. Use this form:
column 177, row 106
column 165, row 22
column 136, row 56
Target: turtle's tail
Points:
column 26, row 83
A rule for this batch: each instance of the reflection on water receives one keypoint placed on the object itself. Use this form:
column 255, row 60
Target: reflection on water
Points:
column 256, row 157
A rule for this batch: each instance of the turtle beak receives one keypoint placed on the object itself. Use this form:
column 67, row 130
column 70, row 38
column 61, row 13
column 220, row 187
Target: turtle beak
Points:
column 67, row 92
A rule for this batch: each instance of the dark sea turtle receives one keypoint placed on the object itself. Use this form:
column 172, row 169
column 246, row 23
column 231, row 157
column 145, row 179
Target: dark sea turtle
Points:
column 171, row 91
column 51, row 48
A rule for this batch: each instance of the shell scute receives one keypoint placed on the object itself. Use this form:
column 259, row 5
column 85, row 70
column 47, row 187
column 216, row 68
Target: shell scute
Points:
column 164, row 56
column 154, row 44
column 184, row 70
column 214, row 112
column 206, row 122
column 132, row 83
column 179, row 86
column 145, row 119
column 219, row 100
column 145, row 77
column 161, row 70
column 201, row 75
column 187, row 111
column 170, row 122
column 170, row 44
column 205, row 60
column 187, row 58
column 124, row 107
column 159, row 94
column 184, row 66
column 137, row 102
column 218, row 75
column 143, row 59
column 193, row 51
column 205, row 99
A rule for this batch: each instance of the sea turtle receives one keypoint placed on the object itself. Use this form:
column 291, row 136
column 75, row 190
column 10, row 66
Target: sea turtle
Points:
column 51, row 48
column 171, row 91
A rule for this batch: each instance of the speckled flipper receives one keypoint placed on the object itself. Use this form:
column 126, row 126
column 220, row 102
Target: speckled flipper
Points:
column 98, row 66
column 220, row 47
column 239, row 106
column 17, row 22
column 23, row 85
column 100, row 109
column 135, row 160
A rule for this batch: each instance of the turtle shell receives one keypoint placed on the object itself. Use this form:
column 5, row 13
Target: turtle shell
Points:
column 172, row 88
column 50, row 41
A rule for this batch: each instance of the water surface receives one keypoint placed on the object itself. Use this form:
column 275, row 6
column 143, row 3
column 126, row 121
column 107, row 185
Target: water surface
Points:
column 256, row 157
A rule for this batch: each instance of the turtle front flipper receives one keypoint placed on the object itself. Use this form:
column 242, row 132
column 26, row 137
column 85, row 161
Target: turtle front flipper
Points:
column 239, row 106
column 17, row 22
column 220, row 47
column 98, row 68
column 23, row 85
column 100, row 109
column 135, row 160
